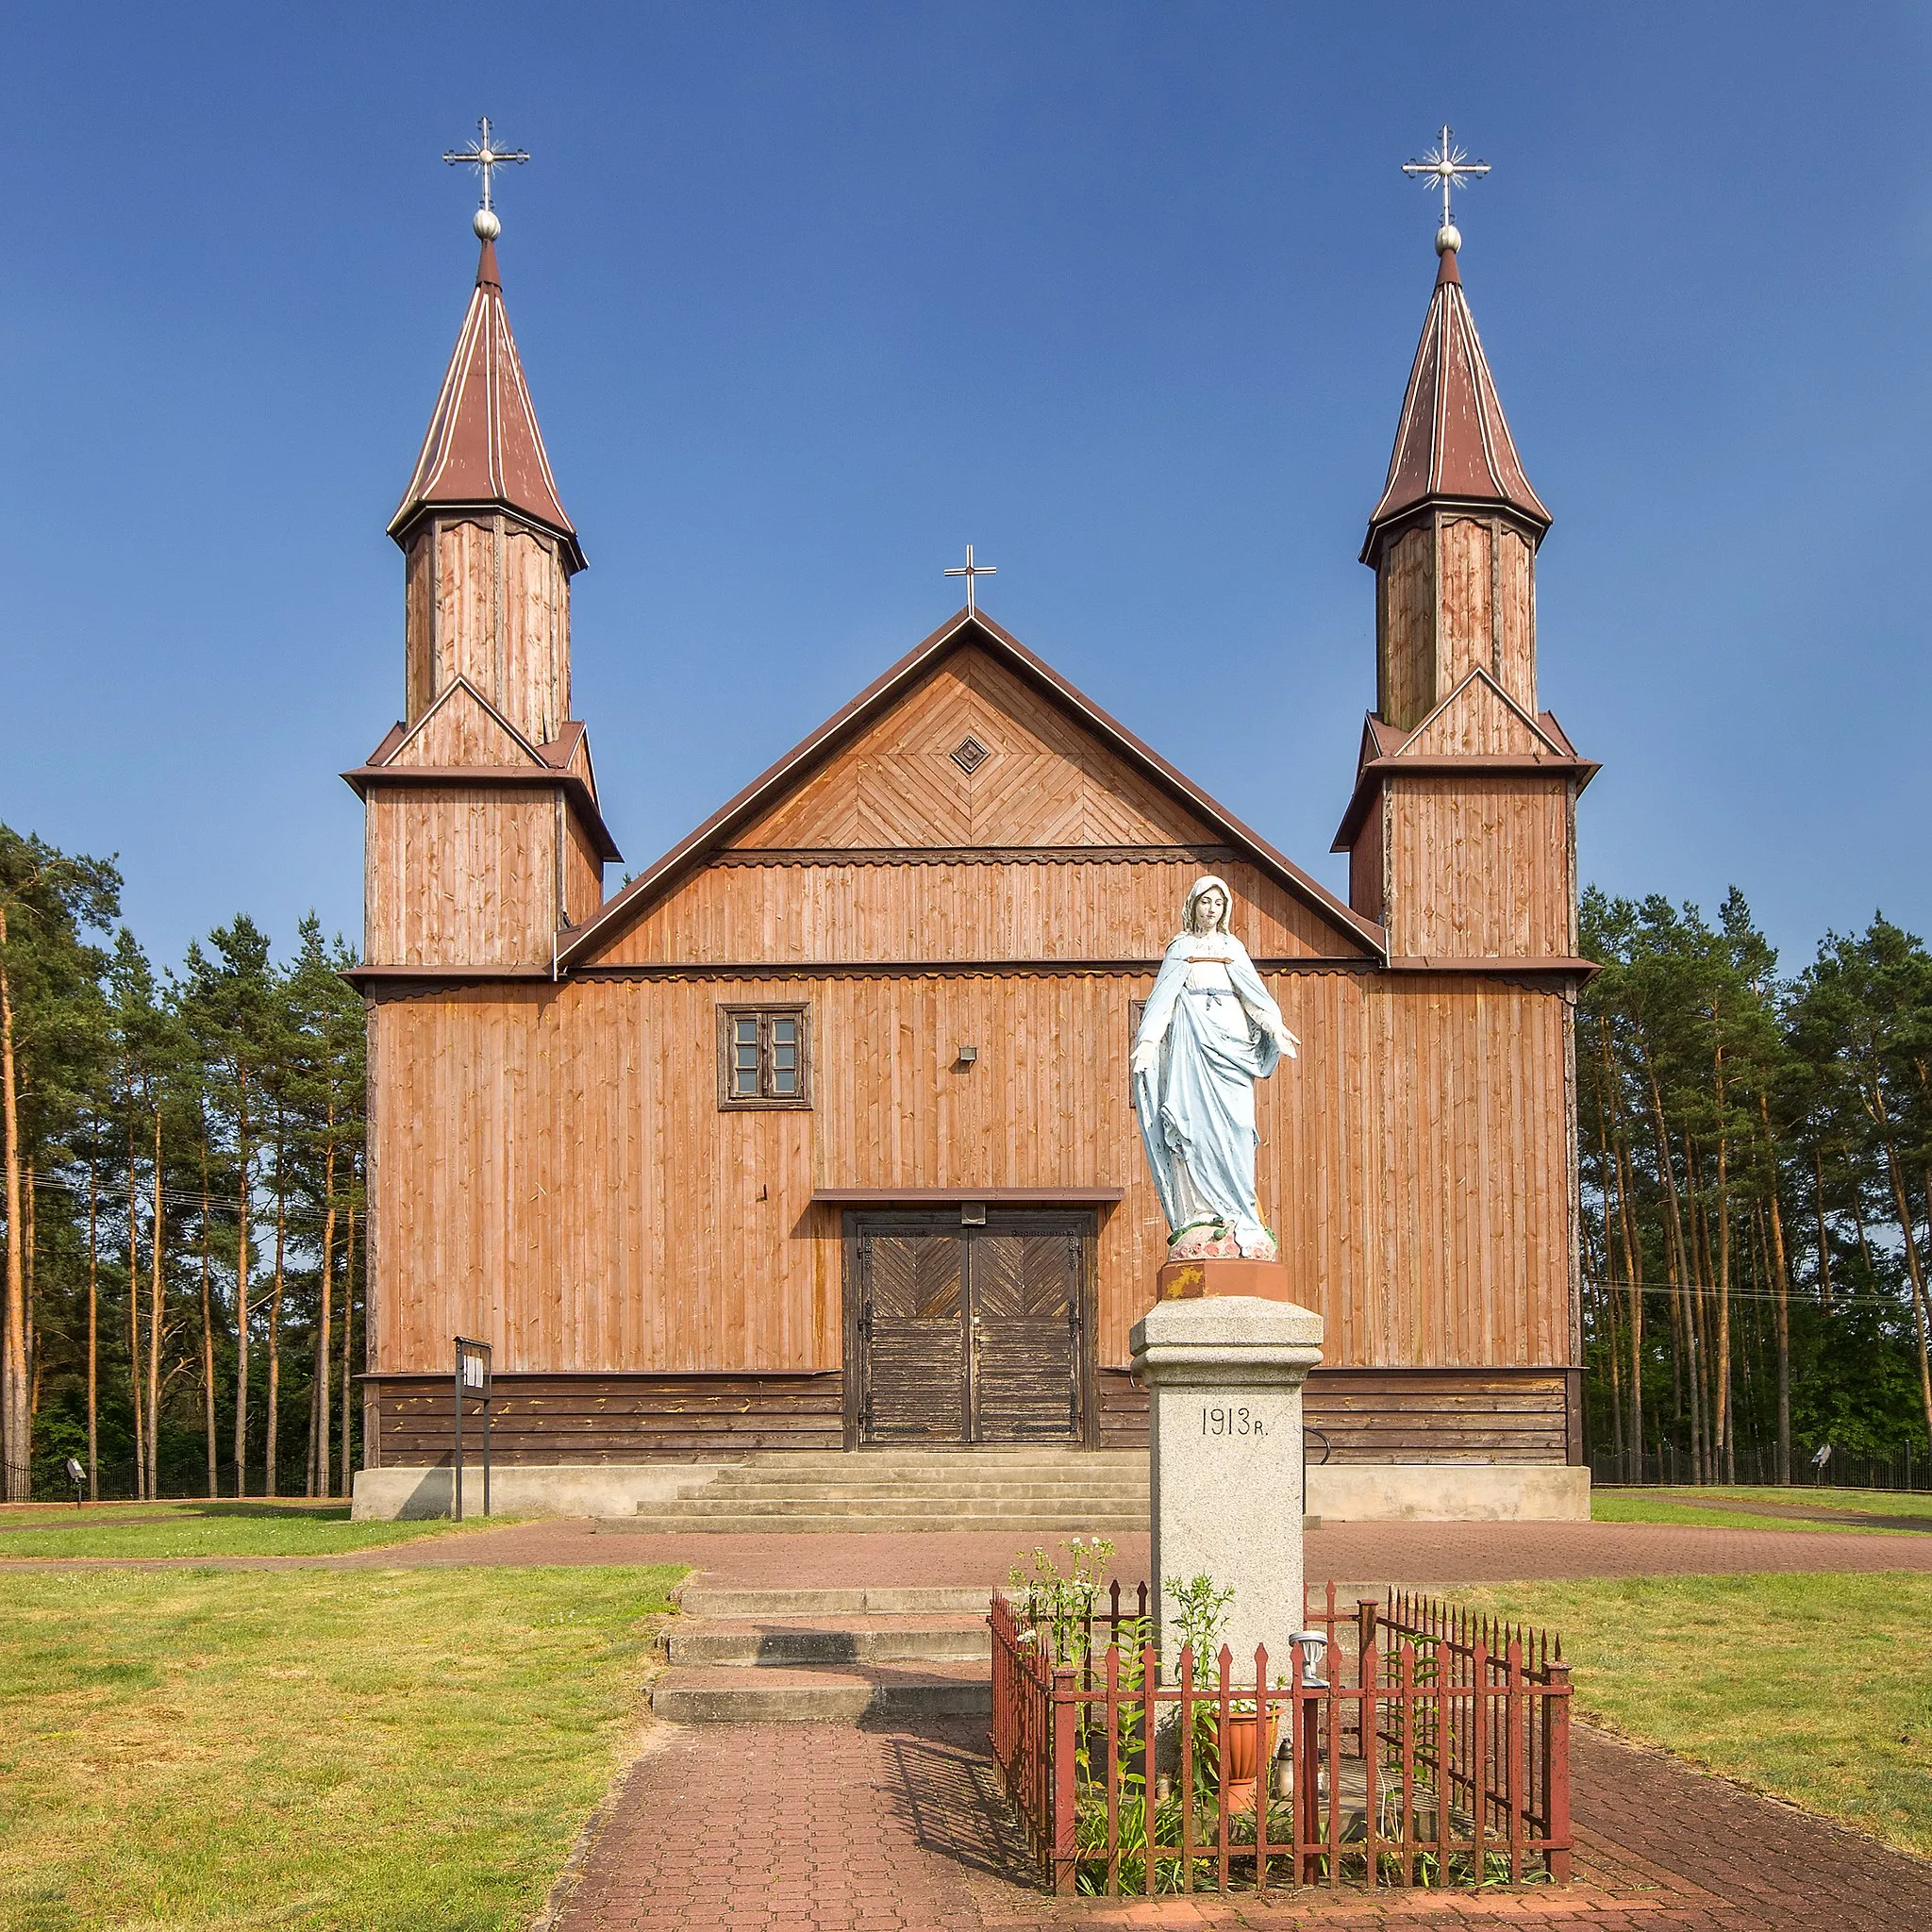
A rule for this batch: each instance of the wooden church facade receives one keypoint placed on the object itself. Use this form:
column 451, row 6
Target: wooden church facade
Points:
column 819, row 1135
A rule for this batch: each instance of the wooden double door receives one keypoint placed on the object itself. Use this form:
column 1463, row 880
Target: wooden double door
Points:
column 968, row 1334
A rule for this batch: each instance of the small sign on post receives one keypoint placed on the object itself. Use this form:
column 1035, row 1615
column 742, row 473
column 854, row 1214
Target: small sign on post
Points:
column 473, row 1380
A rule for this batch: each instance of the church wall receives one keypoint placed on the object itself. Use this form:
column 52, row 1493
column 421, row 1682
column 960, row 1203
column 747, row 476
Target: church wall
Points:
column 1466, row 632
column 419, row 662
column 1406, row 613
column 583, row 872
column 966, row 906
column 1516, row 605
column 1480, row 866
column 557, row 1175
column 459, row 876
column 489, row 599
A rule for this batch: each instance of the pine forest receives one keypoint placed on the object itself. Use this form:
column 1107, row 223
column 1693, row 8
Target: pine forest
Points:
column 183, row 1208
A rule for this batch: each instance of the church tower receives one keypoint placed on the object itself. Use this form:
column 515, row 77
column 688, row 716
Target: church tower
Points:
column 1461, row 831
column 483, row 841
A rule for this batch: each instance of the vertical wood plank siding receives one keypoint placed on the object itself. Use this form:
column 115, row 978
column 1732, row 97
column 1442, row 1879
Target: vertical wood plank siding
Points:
column 487, row 598
column 1407, row 659
column 1480, row 866
column 556, row 1178
column 458, row 874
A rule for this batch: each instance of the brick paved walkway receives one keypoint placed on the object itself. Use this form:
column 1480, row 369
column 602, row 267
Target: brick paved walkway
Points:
column 840, row 1829
column 1411, row 1552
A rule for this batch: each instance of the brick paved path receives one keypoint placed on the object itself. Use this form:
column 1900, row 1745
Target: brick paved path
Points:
column 1411, row 1552
column 756, row 1827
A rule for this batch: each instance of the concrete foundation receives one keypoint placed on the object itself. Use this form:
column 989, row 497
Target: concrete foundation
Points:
column 1337, row 1492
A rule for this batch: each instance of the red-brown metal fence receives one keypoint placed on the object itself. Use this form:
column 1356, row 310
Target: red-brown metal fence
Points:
column 1407, row 1743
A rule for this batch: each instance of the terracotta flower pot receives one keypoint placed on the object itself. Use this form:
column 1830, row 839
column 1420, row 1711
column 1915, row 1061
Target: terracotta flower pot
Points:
column 1243, row 1750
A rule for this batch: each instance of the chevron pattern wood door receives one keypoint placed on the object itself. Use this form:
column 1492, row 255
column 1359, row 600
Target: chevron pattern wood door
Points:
column 1024, row 1293
column 912, row 1320
column 970, row 1335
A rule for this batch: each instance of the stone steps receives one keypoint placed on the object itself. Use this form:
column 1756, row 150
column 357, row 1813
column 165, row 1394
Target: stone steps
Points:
column 825, row 1655
column 762, row 1641
column 1112, row 1490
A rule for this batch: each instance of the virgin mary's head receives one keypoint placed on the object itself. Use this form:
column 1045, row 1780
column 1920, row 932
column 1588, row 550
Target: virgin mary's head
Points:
column 1202, row 913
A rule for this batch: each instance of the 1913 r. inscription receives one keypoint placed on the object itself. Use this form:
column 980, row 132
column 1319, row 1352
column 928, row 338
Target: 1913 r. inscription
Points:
column 1230, row 1422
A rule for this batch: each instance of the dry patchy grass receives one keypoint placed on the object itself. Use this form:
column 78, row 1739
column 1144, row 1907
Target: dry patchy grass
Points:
column 375, row 1749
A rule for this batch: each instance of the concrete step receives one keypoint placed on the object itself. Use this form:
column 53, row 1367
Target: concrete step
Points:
column 1054, row 1455
column 809, row 1519
column 760, row 1643
column 898, row 1600
column 703, row 1694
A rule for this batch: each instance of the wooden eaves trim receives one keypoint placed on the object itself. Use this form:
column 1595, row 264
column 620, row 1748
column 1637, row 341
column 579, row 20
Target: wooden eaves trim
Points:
column 884, row 690
column 947, row 1197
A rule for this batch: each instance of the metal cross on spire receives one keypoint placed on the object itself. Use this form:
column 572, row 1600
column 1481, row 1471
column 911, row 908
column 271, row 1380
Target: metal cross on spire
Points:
column 1449, row 165
column 970, row 570
column 483, row 155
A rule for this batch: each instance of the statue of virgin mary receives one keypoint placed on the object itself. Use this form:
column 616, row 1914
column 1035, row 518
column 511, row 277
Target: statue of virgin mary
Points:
column 1210, row 1031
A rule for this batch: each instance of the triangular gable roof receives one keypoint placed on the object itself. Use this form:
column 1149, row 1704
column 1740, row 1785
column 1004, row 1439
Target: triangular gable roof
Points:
column 1478, row 708
column 483, row 446
column 461, row 728
column 1452, row 443
column 811, row 753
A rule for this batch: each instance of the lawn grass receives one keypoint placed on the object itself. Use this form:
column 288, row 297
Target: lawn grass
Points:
column 1817, row 1689
column 1642, row 1506
column 383, row 1750
column 212, row 1529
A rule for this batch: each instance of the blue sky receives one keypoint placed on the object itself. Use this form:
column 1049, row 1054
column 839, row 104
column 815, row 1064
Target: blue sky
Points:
column 809, row 297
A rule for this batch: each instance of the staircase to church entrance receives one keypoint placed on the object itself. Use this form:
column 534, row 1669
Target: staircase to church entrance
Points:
column 1048, row 1490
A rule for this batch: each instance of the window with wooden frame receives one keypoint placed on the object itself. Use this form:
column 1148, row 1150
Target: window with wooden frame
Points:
column 764, row 1056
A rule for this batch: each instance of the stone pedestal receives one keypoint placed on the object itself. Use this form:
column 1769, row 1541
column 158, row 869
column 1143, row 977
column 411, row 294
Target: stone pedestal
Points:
column 1223, row 1376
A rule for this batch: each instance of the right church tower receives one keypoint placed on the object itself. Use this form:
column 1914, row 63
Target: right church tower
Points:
column 1461, row 833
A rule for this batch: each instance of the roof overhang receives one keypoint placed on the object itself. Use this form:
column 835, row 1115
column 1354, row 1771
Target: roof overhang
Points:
column 1368, row 782
column 362, row 779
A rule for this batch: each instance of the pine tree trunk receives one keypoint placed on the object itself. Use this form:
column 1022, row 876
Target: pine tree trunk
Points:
column 1724, row 1429
column 1823, row 1232
column 348, row 1330
column 1915, row 1269
column 16, row 1443
column 318, row 1400
column 1781, row 1289
column 270, row 1482
column 93, row 1334
column 153, row 1325
column 207, row 1337
column 30, row 1248
column 244, row 1149
column 134, row 1304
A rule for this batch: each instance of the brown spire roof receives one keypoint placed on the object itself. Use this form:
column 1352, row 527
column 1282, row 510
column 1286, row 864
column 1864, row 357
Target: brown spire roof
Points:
column 483, row 445
column 1452, row 444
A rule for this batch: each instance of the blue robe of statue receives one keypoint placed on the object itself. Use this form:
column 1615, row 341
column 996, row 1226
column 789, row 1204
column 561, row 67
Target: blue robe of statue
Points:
column 1196, row 1107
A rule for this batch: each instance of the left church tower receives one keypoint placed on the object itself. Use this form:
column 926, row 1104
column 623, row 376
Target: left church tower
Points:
column 483, row 841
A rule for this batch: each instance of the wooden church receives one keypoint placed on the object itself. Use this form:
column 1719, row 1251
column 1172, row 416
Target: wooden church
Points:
column 819, row 1134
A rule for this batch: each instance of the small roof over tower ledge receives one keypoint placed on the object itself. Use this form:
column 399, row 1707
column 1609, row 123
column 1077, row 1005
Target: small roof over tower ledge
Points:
column 1453, row 445
column 484, row 448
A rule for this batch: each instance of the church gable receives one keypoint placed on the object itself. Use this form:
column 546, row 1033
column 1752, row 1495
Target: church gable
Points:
column 971, row 756
column 1479, row 719
column 461, row 728
column 970, row 753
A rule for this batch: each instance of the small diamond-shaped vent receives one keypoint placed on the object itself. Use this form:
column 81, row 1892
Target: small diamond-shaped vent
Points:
column 969, row 755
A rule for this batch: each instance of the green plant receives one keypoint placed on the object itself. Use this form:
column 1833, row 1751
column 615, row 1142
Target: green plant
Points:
column 1059, row 1604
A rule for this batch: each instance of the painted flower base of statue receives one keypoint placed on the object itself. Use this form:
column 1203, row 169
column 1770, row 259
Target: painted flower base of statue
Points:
column 1216, row 1240
column 1209, row 1030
